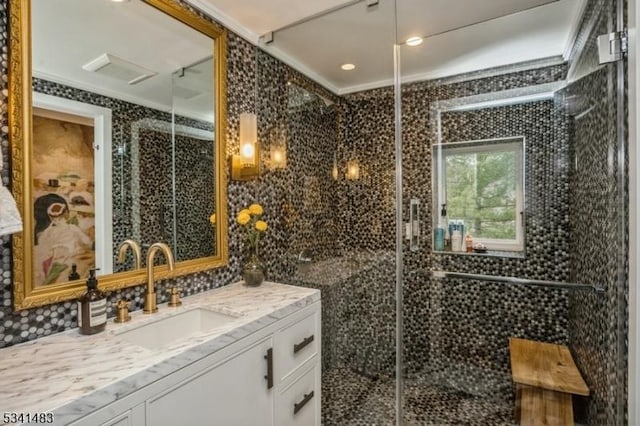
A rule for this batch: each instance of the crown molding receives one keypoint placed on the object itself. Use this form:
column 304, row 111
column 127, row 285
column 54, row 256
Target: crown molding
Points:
column 226, row 20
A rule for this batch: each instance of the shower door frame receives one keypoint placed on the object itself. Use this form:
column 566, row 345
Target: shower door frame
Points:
column 634, row 213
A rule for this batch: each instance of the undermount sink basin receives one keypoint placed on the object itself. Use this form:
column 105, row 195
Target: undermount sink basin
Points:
column 167, row 331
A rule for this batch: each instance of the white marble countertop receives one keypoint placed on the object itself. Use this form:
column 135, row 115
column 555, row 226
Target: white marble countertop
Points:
column 72, row 375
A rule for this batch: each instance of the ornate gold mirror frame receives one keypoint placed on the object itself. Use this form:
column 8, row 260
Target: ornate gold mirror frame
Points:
column 20, row 138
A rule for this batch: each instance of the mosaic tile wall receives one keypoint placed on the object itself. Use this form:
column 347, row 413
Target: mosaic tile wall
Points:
column 194, row 195
column 597, row 323
column 313, row 138
column 155, row 201
column 466, row 319
column 358, row 304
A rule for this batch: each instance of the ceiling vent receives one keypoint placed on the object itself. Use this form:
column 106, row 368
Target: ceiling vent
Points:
column 118, row 68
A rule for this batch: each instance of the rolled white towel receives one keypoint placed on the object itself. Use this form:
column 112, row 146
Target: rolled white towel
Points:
column 10, row 221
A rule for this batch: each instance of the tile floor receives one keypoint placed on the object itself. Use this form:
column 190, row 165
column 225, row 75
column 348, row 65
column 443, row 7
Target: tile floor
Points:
column 354, row 399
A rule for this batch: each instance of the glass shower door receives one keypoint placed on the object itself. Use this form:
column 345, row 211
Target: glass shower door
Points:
column 513, row 142
column 339, row 204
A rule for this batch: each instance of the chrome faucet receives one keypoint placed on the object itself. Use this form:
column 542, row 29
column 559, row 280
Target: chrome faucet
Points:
column 150, row 302
column 135, row 249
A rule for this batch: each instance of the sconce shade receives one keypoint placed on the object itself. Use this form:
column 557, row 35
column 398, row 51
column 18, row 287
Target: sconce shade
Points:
column 353, row 170
column 246, row 165
column 248, row 138
column 278, row 157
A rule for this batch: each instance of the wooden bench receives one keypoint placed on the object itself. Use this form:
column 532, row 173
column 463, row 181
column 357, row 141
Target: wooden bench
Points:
column 546, row 378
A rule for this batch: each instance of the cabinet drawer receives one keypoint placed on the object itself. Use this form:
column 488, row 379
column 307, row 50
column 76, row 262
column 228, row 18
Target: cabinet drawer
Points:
column 299, row 404
column 296, row 344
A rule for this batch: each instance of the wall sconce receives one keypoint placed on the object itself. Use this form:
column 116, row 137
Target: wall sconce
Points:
column 278, row 157
column 278, row 150
column 246, row 165
column 353, row 170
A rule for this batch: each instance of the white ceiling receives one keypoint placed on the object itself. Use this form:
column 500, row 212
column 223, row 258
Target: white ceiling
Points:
column 70, row 33
column 462, row 35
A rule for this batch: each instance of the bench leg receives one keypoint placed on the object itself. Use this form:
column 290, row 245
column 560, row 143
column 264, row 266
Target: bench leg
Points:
column 545, row 407
column 516, row 411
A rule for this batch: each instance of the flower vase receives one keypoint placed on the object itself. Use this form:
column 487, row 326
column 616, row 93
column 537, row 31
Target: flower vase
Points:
column 254, row 271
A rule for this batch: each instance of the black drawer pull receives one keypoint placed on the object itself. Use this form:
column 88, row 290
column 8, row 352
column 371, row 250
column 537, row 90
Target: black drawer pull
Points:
column 269, row 376
column 300, row 346
column 298, row 406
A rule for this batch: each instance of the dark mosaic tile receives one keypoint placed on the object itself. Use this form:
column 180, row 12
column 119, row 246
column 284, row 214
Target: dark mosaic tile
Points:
column 598, row 324
column 349, row 398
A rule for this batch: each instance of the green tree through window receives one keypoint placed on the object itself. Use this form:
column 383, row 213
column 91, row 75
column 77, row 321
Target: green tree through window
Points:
column 483, row 187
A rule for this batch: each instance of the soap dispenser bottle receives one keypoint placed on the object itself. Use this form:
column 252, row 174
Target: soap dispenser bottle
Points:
column 92, row 307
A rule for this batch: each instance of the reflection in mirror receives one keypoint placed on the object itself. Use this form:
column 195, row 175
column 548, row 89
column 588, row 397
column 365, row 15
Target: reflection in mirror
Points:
column 162, row 176
column 124, row 141
column 71, row 212
column 185, row 196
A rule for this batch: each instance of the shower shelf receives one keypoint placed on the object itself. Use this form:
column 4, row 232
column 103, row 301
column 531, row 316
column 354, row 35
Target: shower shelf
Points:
column 518, row 281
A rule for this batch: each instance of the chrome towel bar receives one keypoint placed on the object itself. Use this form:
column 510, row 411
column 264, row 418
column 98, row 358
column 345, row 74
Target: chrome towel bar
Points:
column 519, row 281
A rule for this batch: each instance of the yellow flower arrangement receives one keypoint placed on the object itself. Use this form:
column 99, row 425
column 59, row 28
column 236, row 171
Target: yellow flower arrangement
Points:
column 243, row 218
column 256, row 209
column 250, row 219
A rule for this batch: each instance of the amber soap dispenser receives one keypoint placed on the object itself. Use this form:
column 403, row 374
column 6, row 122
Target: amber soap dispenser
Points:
column 92, row 307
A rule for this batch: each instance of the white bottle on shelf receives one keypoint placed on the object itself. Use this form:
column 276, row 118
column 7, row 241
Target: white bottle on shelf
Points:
column 456, row 241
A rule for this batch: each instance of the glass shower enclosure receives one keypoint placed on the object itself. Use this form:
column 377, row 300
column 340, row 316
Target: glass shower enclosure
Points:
column 473, row 190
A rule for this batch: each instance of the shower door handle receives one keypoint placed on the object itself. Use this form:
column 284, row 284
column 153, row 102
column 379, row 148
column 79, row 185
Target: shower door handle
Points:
column 414, row 224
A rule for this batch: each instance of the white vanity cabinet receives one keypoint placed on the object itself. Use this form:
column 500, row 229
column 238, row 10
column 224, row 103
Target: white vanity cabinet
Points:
column 297, row 369
column 234, row 392
column 271, row 377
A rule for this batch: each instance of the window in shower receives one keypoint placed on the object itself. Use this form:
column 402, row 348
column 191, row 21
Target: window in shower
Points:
column 482, row 185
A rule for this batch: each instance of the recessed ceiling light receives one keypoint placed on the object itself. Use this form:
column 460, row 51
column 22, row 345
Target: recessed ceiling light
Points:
column 414, row 41
column 348, row 67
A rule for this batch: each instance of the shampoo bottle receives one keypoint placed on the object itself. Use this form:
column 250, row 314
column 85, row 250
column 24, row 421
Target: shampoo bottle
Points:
column 440, row 232
column 447, row 239
column 456, row 241
column 92, row 307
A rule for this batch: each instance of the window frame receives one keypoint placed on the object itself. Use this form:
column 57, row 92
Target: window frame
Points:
column 515, row 144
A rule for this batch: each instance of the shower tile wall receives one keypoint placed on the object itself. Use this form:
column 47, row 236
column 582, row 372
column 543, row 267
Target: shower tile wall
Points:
column 501, row 311
column 313, row 138
column 597, row 326
column 154, row 193
column 194, row 193
column 456, row 332
column 194, row 183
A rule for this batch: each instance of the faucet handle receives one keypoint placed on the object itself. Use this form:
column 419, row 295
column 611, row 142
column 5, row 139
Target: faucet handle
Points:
column 122, row 314
column 174, row 297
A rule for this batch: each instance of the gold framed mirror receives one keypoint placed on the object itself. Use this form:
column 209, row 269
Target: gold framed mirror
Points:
column 92, row 126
